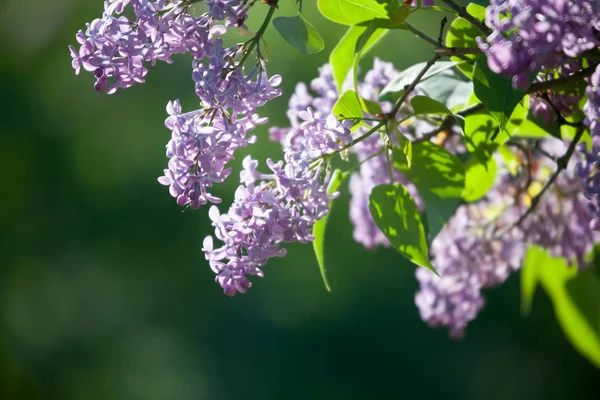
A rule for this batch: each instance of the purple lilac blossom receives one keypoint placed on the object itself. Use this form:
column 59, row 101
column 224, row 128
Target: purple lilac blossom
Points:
column 281, row 206
column 532, row 34
column 588, row 167
column 591, row 109
column 470, row 255
column 118, row 50
column 202, row 142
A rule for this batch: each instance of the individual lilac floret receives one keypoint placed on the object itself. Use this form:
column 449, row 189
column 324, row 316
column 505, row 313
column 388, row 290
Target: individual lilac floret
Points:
column 277, row 207
column 118, row 50
column 202, row 143
column 531, row 34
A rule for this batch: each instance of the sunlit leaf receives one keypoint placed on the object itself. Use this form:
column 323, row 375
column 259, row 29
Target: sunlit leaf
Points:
column 369, row 106
column 440, row 179
column 423, row 105
column 574, row 295
column 479, row 178
column 496, row 92
column 395, row 88
column 319, row 228
column 342, row 57
column 535, row 259
column 397, row 216
column 348, row 106
column 353, row 12
column 462, row 34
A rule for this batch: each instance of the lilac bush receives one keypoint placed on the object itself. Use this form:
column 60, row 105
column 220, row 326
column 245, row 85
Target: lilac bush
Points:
column 451, row 162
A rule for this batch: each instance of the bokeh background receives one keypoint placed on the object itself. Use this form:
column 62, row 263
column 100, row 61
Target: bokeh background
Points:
column 105, row 294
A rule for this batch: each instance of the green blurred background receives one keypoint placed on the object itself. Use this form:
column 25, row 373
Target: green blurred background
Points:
column 105, row 293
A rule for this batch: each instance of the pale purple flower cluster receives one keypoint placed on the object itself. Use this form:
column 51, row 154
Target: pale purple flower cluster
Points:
column 588, row 167
column 468, row 258
column 480, row 247
column 587, row 171
column 529, row 35
column 202, row 142
column 118, row 50
column 281, row 206
column 591, row 109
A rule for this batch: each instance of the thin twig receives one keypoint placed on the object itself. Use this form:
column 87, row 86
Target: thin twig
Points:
column 446, row 125
column 562, row 81
column 431, row 40
column 464, row 14
column 457, row 51
column 256, row 39
column 408, row 89
column 561, row 164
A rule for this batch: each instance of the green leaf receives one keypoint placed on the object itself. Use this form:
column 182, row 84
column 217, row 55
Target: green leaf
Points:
column 479, row 178
column 299, row 33
column 423, row 105
column 535, row 259
column 526, row 127
column 369, row 106
column 511, row 161
column 397, row 216
column 395, row 88
column 342, row 57
column 448, row 88
column 496, row 92
column 353, row 12
column 480, row 127
column 348, row 106
column 440, row 179
column 395, row 19
column 462, row 34
column 319, row 228
column 401, row 159
column 574, row 295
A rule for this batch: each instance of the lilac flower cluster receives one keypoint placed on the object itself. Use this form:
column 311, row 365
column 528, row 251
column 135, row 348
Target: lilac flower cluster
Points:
column 373, row 170
column 588, row 167
column 480, row 247
column 532, row 34
column 204, row 140
column 468, row 258
column 281, row 206
column 117, row 49
column 202, row 143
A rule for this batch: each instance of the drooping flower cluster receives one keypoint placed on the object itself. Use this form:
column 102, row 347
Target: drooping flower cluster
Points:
column 282, row 206
column 480, row 246
column 202, row 143
column 204, row 140
column 588, row 167
column 118, row 50
column 529, row 35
